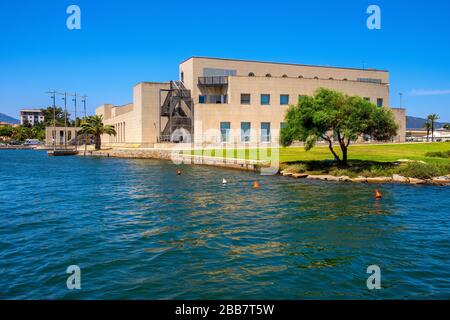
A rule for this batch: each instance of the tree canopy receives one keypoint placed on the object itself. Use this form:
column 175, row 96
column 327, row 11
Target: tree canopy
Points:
column 333, row 116
column 50, row 114
column 94, row 126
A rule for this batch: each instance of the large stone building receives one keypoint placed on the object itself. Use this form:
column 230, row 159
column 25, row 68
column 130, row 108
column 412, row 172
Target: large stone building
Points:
column 234, row 101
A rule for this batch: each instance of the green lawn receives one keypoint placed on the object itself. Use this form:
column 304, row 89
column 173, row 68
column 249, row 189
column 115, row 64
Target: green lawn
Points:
column 379, row 153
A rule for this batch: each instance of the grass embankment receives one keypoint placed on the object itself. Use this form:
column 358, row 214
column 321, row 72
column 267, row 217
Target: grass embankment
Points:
column 427, row 160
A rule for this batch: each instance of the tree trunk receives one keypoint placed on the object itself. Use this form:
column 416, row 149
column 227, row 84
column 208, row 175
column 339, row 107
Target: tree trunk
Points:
column 330, row 146
column 344, row 155
column 432, row 131
column 98, row 142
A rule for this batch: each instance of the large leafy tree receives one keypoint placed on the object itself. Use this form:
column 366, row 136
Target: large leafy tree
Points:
column 334, row 116
column 51, row 114
column 21, row 133
column 447, row 126
column 94, row 126
column 433, row 118
column 6, row 132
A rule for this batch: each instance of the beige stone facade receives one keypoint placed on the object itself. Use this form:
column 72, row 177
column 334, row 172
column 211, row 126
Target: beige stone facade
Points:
column 238, row 101
column 62, row 137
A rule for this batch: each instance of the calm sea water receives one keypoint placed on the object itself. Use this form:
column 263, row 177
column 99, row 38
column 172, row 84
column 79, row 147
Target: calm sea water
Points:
column 139, row 231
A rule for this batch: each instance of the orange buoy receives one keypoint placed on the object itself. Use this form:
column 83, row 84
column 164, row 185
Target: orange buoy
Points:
column 178, row 172
column 378, row 194
column 256, row 185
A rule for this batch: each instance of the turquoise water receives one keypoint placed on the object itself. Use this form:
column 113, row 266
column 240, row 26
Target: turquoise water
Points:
column 139, row 231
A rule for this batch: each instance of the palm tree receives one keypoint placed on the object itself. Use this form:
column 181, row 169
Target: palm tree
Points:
column 433, row 118
column 427, row 126
column 94, row 126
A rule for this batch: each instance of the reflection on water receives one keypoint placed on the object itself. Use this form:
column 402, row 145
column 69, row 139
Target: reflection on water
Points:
column 137, row 230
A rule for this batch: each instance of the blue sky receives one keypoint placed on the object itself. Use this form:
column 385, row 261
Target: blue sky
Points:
column 122, row 43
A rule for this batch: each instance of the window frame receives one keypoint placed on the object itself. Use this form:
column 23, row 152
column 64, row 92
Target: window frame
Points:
column 249, row 98
column 227, row 132
column 261, row 99
column 246, row 135
column 281, row 102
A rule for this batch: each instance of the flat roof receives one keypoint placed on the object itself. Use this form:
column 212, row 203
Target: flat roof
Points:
column 30, row 110
column 284, row 63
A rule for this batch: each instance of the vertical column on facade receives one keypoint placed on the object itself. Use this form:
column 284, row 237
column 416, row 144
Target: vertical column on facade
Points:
column 124, row 139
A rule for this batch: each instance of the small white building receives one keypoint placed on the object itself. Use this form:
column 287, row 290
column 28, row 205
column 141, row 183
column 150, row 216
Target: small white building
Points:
column 31, row 116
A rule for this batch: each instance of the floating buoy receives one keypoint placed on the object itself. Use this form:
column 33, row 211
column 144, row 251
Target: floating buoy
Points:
column 256, row 185
column 378, row 194
column 224, row 181
column 178, row 172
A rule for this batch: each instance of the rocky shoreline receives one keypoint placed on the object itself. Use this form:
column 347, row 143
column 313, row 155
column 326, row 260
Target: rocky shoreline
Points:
column 441, row 181
column 249, row 165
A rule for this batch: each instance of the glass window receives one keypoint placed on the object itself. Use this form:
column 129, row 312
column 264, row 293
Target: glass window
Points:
column 251, row 74
column 268, row 75
column 380, row 102
column 284, row 99
column 225, row 131
column 265, row 99
column 245, row 131
column 367, row 98
column 201, row 99
column 265, row 131
column 215, row 72
column 218, row 99
column 182, row 76
column 245, row 98
column 284, row 76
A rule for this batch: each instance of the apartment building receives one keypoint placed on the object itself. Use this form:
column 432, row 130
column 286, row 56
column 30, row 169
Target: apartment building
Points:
column 234, row 101
column 31, row 116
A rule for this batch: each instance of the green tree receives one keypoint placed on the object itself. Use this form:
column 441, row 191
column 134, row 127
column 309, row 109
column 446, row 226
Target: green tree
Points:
column 21, row 133
column 447, row 126
column 331, row 115
column 6, row 132
column 51, row 114
column 427, row 126
column 432, row 118
column 94, row 126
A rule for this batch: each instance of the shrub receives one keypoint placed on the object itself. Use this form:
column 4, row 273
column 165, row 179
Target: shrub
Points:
column 439, row 154
column 423, row 170
column 296, row 168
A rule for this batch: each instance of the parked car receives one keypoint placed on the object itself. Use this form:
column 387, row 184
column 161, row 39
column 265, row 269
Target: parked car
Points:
column 32, row 142
column 14, row 143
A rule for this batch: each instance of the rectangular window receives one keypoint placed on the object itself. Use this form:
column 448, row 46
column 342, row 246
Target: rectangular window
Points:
column 201, row 99
column 245, row 131
column 215, row 72
column 218, row 99
column 370, row 80
column 245, row 98
column 225, row 131
column 265, row 99
column 265, row 131
column 284, row 99
column 367, row 98
column 380, row 102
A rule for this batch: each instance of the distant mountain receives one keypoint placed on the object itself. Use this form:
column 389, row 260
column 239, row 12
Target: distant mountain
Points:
column 417, row 123
column 8, row 119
